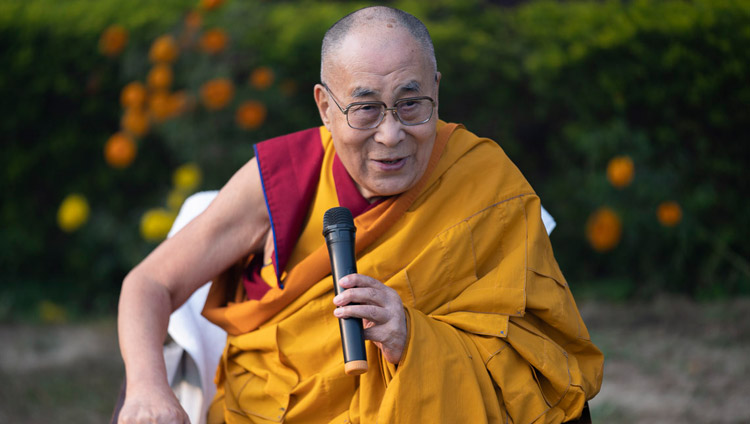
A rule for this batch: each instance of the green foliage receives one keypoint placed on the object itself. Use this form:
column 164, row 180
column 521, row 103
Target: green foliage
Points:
column 562, row 86
column 59, row 106
column 663, row 82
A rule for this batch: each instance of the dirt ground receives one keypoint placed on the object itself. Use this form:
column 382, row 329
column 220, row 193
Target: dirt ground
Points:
column 672, row 361
column 667, row 361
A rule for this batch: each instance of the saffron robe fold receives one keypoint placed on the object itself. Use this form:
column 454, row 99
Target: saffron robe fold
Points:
column 494, row 334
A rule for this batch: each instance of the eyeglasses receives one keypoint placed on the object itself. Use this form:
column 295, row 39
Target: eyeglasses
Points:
column 410, row 111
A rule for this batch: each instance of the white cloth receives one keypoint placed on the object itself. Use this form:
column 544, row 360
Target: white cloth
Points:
column 200, row 339
column 548, row 221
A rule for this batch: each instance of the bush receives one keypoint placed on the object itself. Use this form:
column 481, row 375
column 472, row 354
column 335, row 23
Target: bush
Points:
column 59, row 107
column 663, row 83
column 564, row 87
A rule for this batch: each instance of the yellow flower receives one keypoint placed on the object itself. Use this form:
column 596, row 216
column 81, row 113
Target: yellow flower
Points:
column 620, row 171
column 73, row 212
column 669, row 213
column 155, row 224
column 603, row 229
column 52, row 313
column 187, row 177
column 175, row 199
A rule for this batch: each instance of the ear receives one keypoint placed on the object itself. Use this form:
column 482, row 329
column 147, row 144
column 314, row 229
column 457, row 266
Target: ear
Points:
column 438, row 76
column 324, row 105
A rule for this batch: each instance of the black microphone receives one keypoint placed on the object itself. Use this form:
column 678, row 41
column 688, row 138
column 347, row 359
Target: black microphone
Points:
column 339, row 229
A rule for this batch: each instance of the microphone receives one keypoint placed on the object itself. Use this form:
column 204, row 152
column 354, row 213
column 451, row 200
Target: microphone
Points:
column 339, row 229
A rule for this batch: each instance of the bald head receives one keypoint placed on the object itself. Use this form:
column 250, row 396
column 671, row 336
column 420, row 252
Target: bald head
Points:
column 371, row 19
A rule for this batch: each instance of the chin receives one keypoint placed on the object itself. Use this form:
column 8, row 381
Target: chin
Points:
column 389, row 188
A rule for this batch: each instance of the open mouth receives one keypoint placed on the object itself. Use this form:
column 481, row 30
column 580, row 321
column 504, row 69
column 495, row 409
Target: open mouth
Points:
column 390, row 164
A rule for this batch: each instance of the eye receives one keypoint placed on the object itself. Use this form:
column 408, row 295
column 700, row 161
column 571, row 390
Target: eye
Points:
column 366, row 108
column 363, row 108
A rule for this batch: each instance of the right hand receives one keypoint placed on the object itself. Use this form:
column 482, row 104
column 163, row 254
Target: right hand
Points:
column 150, row 407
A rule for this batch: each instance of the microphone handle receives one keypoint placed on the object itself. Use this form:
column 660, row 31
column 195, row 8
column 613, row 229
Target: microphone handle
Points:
column 352, row 332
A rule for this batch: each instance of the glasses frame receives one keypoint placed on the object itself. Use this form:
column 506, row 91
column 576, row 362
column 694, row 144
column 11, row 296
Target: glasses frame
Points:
column 393, row 109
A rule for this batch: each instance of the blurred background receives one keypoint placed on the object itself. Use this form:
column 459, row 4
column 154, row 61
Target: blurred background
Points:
column 629, row 118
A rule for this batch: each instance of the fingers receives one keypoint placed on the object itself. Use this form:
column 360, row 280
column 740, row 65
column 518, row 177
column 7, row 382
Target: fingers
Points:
column 365, row 290
column 361, row 295
column 367, row 298
column 359, row 280
column 156, row 409
column 381, row 310
column 375, row 314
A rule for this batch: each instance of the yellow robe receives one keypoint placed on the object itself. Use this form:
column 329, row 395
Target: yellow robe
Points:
column 494, row 334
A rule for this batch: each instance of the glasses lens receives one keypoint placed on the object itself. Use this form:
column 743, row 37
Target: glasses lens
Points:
column 365, row 115
column 414, row 111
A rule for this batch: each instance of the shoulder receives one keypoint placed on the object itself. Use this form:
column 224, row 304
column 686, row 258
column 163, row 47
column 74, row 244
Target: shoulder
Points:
column 482, row 162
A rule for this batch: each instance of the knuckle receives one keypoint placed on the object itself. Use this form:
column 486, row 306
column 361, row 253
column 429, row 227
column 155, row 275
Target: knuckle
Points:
column 372, row 293
column 374, row 312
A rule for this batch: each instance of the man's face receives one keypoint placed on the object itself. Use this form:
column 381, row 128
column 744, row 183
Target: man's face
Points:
column 384, row 65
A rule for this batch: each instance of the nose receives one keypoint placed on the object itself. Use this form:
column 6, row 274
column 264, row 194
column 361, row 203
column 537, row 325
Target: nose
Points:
column 390, row 132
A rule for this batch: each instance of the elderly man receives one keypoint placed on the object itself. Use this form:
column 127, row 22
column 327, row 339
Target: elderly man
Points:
column 468, row 316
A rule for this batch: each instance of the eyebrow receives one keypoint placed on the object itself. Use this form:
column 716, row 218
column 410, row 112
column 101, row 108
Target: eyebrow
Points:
column 360, row 92
column 410, row 87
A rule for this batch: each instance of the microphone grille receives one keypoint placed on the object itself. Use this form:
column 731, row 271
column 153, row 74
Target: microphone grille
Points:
column 337, row 216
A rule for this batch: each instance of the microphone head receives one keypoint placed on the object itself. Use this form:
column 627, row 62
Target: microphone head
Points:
column 338, row 217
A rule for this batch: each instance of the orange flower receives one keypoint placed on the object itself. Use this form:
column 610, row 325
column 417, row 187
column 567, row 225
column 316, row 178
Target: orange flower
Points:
column 160, row 106
column 211, row 4
column 620, row 171
column 180, row 102
column 193, row 20
column 217, row 93
column 113, row 40
column 135, row 122
column 250, row 115
column 164, row 50
column 214, row 41
column 261, row 78
column 603, row 229
column 163, row 105
column 669, row 213
column 119, row 151
column 133, row 95
column 160, row 77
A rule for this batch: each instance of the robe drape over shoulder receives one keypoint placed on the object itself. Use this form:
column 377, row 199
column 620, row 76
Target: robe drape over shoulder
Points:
column 494, row 334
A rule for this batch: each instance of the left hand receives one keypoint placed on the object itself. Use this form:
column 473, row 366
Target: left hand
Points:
column 381, row 310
